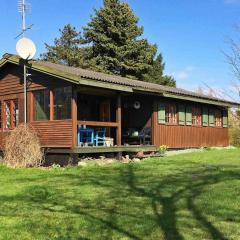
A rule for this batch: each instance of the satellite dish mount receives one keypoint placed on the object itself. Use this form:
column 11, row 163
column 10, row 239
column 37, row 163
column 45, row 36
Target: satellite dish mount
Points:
column 26, row 49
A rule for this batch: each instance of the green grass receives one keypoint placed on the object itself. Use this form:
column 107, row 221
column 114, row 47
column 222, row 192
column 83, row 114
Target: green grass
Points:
column 189, row 196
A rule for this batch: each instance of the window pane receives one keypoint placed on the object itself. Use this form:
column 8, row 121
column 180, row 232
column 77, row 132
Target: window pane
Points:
column 62, row 103
column 218, row 118
column 42, row 102
column 15, row 113
column 7, row 115
column 171, row 114
column 196, row 116
column 11, row 114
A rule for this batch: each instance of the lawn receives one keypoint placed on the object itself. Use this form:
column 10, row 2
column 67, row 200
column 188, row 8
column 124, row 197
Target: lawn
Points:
column 188, row 196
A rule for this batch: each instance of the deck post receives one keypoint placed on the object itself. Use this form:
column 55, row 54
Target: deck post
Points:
column 31, row 103
column 74, row 117
column 119, row 120
column 51, row 106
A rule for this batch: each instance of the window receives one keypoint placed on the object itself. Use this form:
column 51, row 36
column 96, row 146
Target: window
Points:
column 41, row 105
column 52, row 104
column 11, row 114
column 0, row 115
column 211, row 117
column 62, row 103
column 171, row 114
column 218, row 118
column 196, row 116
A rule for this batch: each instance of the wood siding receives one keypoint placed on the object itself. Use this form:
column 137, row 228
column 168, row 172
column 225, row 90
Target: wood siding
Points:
column 11, row 80
column 54, row 133
column 60, row 133
column 175, row 136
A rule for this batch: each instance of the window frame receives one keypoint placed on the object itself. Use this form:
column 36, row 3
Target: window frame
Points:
column 33, row 113
column 168, row 113
column 218, row 119
column 1, row 115
column 197, row 116
column 13, row 102
column 51, row 105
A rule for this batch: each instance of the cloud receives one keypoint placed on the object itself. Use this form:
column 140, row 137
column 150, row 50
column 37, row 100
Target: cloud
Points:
column 184, row 74
column 231, row 1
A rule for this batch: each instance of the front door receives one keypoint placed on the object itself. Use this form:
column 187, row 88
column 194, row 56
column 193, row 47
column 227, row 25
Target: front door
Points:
column 105, row 111
column 105, row 115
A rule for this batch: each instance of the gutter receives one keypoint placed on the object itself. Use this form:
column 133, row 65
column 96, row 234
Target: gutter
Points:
column 201, row 100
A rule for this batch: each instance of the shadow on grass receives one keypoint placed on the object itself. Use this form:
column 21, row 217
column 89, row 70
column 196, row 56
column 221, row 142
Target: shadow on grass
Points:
column 121, row 202
column 189, row 190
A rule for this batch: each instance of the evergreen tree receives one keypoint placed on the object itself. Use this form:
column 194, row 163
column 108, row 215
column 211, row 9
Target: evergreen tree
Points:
column 156, row 74
column 66, row 49
column 111, row 43
column 113, row 35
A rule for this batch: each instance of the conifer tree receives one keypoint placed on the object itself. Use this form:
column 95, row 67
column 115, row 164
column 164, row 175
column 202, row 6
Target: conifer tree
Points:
column 116, row 47
column 111, row 43
column 66, row 49
column 156, row 74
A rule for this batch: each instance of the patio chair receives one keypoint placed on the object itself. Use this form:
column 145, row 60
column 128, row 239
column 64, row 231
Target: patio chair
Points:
column 85, row 135
column 100, row 136
column 145, row 136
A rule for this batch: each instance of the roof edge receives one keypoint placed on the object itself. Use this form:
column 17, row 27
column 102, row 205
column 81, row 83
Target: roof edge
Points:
column 202, row 100
column 81, row 80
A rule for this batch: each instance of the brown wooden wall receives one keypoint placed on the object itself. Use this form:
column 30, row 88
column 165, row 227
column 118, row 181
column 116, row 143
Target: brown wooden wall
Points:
column 175, row 136
column 59, row 133
column 52, row 133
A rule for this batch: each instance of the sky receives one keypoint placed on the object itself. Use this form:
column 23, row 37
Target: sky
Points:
column 191, row 34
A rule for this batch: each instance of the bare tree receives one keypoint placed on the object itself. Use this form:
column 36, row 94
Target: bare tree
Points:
column 233, row 55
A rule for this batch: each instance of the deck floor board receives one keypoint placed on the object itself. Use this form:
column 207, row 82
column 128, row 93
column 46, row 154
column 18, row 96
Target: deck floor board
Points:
column 102, row 149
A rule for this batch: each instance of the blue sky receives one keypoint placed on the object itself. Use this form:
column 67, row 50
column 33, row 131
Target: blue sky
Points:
column 191, row 34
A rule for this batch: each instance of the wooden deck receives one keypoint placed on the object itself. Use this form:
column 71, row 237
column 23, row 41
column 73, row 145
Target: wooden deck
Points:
column 115, row 149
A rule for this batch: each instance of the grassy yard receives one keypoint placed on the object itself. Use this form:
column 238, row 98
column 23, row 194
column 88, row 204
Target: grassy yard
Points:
column 189, row 196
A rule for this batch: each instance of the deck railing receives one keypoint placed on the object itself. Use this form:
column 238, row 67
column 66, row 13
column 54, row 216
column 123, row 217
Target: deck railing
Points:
column 96, row 124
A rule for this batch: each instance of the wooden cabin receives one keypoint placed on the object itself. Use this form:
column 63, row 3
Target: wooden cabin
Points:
column 81, row 111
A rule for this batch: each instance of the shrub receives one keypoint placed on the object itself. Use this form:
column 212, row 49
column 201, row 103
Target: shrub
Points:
column 234, row 128
column 22, row 148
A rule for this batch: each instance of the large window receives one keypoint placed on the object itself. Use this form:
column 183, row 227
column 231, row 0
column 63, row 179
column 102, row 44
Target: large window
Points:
column 11, row 114
column 52, row 104
column 62, row 103
column 196, row 116
column 171, row 114
column 41, row 105
column 218, row 118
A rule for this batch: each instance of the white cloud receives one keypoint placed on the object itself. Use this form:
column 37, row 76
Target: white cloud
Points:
column 231, row 1
column 184, row 74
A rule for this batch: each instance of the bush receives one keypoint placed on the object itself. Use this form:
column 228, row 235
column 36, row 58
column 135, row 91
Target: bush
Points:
column 22, row 148
column 234, row 128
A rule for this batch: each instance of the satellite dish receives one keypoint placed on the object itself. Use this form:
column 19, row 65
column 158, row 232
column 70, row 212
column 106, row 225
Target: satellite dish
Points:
column 26, row 49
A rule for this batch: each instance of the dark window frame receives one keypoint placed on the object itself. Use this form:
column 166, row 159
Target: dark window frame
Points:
column 218, row 118
column 1, row 115
column 196, row 116
column 46, row 92
column 13, row 114
column 171, row 114
column 55, row 111
column 52, row 105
